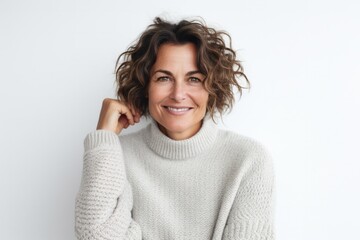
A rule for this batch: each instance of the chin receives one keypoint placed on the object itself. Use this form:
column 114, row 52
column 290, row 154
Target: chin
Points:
column 174, row 126
column 170, row 127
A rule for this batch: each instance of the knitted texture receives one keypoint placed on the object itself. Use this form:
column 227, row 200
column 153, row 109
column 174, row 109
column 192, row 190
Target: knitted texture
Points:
column 215, row 185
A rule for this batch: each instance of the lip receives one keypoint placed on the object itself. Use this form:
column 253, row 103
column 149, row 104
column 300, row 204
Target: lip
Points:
column 177, row 110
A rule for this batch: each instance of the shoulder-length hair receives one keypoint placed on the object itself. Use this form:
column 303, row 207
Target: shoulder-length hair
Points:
column 215, row 60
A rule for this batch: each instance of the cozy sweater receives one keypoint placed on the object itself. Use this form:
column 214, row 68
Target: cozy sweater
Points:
column 214, row 185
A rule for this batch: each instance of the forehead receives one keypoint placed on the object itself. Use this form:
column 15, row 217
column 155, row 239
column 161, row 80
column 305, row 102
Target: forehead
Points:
column 176, row 55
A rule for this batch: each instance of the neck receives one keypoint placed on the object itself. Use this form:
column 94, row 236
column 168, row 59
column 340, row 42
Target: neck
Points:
column 169, row 148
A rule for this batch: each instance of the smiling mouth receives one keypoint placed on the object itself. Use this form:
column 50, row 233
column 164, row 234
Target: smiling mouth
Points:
column 177, row 109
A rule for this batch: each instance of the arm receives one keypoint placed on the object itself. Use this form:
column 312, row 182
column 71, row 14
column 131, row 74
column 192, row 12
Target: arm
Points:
column 104, row 202
column 251, row 216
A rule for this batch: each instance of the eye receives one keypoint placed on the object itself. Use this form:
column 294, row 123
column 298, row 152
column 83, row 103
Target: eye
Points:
column 194, row 80
column 163, row 79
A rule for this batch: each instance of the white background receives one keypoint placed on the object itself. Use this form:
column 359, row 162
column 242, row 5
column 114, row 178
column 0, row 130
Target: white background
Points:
column 302, row 57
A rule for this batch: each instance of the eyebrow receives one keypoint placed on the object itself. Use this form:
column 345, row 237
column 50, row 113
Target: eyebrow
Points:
column 170, row 73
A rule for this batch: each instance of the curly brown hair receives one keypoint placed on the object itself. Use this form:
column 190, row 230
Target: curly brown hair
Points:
column 215, row 60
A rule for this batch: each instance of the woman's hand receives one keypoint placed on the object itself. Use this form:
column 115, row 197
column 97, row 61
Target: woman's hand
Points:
column 116, row 115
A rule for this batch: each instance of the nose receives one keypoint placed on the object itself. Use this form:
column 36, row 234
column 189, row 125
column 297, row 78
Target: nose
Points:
column 178, row 92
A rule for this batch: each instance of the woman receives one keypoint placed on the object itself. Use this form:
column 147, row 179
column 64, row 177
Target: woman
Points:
column 180, row 177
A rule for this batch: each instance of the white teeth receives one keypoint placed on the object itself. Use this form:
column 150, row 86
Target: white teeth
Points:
column 178, row 109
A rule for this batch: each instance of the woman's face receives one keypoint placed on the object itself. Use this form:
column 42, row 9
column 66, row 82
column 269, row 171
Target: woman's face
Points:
column 177, row 97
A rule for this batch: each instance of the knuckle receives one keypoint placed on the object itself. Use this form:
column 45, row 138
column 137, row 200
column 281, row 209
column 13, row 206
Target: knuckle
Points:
column 110, row 102
column 106, row 101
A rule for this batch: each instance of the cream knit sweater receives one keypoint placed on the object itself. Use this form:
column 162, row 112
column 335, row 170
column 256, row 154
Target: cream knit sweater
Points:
column 215, row 185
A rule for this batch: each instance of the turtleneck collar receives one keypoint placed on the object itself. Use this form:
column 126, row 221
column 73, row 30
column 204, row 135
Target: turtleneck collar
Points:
column 180, row 149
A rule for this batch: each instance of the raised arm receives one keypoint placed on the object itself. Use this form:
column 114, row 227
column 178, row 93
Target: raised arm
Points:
column 104, row 202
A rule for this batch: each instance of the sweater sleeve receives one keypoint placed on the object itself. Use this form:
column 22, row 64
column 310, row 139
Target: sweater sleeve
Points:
column 104, row 201
column 251, row 215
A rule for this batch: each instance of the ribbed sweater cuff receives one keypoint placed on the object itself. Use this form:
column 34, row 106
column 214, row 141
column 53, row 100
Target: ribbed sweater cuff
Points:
column 254, row 230
column 100, row 137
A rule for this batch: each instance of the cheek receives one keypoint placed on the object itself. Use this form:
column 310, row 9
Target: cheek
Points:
column 203, row 99
column 155, row 96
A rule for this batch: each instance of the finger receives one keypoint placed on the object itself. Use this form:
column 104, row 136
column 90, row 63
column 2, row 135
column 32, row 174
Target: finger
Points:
column 132, row 109
column 123, row 120
column 127, row 112
column 135, row 114
column 137, row 117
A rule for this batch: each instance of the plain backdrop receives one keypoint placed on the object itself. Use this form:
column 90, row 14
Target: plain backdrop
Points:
column 302, row 57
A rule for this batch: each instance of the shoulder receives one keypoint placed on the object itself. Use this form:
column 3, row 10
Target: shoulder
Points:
column 242, row 143
column 246, row 151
